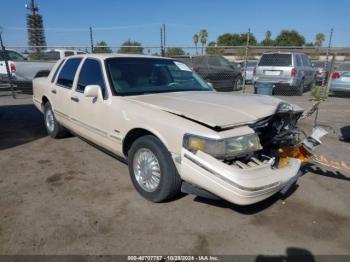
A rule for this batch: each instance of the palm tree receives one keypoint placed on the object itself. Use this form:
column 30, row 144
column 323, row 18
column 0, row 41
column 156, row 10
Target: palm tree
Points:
column 195, row 41
column 319, row 39
column 268, row 34
column 203, row 36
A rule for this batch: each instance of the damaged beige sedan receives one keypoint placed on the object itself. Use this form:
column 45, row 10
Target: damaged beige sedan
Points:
column 173, row 129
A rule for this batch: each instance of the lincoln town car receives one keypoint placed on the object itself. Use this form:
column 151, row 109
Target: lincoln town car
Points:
column 172, row 128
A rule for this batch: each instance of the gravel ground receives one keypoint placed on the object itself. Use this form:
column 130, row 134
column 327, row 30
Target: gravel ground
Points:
column 67, row 197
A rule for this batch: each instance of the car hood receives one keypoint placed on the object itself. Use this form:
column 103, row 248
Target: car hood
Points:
column 214, row 109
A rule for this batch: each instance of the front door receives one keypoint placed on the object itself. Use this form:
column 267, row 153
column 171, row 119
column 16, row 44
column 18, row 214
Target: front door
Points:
column 92, row 115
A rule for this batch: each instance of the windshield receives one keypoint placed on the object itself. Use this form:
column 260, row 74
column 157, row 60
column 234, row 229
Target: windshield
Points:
column 251, row 64
column 132, row 76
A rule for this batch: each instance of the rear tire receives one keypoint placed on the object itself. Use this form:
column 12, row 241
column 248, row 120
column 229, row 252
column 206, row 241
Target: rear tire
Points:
column 152, row 170
column 237, row 86
column 53, row 128
column 300, row 88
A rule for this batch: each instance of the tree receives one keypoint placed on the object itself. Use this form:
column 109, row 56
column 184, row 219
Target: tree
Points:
column 131, row 47
column 236, row 39
column 174, row 51
column 195, row 41
column 36, row 33
column 268, row 41
column 320, row 37
column 203, row 34
column 213, row 49
column 102, row 47
column 289, row 38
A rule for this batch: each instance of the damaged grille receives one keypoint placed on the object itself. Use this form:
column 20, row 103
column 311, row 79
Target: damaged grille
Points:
column 250, row 162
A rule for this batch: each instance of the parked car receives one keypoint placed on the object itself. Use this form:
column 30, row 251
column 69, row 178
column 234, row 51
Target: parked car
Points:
column 321, row 71
column 173, row 129
column 217, row 70
column 287, row 71
column 26, row 70
column 340, row 82
column 249, row 71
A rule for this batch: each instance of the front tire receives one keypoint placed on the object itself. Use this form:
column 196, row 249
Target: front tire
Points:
column 152, row 170
column 53, row 128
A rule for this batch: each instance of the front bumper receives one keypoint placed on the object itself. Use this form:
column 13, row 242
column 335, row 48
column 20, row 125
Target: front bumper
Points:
column 242, row 186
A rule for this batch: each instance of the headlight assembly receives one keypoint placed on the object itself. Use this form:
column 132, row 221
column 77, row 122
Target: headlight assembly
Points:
column 284, row 107
column 223, row 148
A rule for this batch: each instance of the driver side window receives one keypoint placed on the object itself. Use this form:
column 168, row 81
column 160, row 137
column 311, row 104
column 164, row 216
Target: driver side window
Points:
column 91, row 74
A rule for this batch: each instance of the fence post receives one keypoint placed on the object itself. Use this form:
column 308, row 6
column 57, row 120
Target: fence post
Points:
column 328, row 72
column 245, row 60
column 9, row 74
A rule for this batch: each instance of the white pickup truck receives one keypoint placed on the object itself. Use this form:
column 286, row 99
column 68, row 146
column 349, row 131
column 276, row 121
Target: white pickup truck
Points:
column 24, row 70
column 3, row 70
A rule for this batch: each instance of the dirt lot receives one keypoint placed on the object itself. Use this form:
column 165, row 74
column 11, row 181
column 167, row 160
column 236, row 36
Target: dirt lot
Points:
column 67, row 197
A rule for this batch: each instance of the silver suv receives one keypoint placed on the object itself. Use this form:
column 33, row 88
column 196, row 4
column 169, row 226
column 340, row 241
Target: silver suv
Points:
column 288, row 71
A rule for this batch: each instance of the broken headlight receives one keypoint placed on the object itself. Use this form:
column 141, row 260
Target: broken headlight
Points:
column 284, row 107
column 223, row 148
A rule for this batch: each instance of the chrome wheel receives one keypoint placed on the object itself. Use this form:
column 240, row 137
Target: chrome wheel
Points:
column 146, row 169
column 49, row 121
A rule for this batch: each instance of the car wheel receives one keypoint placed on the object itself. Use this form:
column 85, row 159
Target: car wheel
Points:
column 238, row 83
column 152, row 170
column 53, row 128
column 300, row 88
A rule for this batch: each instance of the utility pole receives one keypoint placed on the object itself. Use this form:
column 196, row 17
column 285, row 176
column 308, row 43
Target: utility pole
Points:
column 164, row 38
column 9, row 74
column 245, row 60
column 328, row 72
column 91, row 40
column 161, row 42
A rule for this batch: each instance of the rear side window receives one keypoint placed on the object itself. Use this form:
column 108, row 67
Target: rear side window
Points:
column 199, row 60
column 66, row 76
column 306, row 61
column 298, row 60
column 14, row 56
column 56, row 72
column 276, row 60
column 91, row 74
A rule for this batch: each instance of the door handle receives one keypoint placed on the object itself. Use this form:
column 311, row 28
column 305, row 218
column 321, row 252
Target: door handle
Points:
column 75, row 99
column 53, row 91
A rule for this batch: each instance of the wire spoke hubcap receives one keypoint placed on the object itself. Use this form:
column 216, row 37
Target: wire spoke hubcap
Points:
column 49, row 120
column 146, row 169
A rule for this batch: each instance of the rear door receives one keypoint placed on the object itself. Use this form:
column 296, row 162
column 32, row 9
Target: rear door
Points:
column 62, row 91
column 307, row 69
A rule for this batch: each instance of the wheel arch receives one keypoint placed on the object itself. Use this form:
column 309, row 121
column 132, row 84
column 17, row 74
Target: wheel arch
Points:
column 136, row 133
column 44, row 100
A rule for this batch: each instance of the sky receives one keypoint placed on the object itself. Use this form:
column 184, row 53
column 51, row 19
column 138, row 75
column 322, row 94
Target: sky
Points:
column 67, row 22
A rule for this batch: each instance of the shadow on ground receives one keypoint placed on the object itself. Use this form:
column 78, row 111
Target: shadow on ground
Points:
column 20, row 124
column 325, row 172
column 345, row 133
column 293, row 254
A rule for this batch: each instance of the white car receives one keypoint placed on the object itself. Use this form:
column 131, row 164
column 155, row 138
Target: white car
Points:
column 172, row 127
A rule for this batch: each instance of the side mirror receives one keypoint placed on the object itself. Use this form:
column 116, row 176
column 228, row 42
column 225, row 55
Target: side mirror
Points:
column 210, row 84
column 93, row 91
